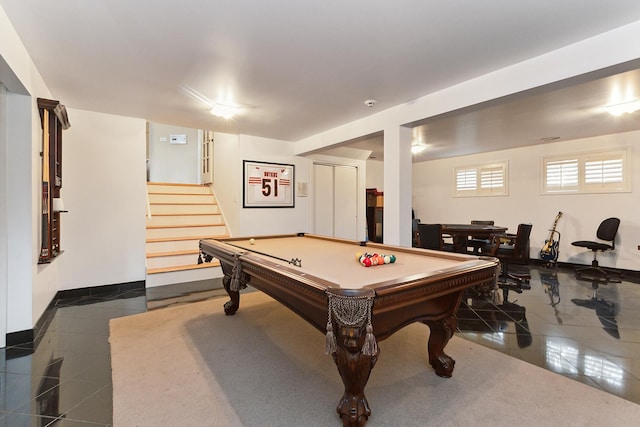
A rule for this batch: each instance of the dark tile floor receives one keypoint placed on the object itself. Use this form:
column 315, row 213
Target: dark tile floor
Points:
column 64, row 379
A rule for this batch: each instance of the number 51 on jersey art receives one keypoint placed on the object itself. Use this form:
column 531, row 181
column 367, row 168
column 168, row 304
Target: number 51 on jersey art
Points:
column 268, row 185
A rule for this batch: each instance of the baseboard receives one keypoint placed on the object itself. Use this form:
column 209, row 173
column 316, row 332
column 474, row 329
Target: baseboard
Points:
column 100, row 290
column 20, row 338
column 24, row 342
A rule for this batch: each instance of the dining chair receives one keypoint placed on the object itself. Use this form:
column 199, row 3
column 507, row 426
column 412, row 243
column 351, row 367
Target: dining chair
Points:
column 476, row 243
column 430, row 237
column 512, row 248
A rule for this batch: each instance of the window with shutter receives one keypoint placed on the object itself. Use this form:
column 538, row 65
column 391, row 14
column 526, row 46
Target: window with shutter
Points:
column 481, row 180
column 561, row 175
column 600, row 172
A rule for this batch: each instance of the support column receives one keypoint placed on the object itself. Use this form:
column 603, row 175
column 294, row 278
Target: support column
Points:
column 4, row 228
column 397, row 186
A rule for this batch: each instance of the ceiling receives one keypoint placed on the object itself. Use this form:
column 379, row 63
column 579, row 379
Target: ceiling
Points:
column 562, row 111
column 300, row 68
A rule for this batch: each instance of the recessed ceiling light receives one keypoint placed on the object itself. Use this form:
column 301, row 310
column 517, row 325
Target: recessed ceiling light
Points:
column 418, row 148
column 549, row 138
column 370, row 103
column 623, row 107
column 224, row 111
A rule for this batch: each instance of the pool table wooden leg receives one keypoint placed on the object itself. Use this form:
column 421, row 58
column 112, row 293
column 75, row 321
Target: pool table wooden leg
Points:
column 441, row 332
column 231, row 306
column 354, row 368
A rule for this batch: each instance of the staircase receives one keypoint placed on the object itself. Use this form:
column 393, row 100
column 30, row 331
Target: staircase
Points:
column 180, row 215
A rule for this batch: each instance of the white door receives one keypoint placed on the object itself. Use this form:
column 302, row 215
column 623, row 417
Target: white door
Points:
column 206, row 157
column 323, row 199
column 345, row 202
column 335, row 200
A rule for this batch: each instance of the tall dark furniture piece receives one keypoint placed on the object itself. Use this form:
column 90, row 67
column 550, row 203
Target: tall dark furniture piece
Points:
column 375, row 214
column 54, row 119
column 414, row 229
column 607, row 232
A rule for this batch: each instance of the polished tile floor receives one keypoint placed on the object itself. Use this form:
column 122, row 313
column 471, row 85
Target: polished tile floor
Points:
column 561, row 324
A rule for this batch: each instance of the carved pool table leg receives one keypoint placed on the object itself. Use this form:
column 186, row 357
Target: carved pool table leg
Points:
column 354, row 368
column 231, row 306
column 441, row 332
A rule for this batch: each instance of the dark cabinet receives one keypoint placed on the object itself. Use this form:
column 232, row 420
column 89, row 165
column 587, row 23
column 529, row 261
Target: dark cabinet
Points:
column 53, row 119
column 375, row 214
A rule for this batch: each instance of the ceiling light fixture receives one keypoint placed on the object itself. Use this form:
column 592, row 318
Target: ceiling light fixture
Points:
column 224, row 111
column 417, row 148
column 623, row 107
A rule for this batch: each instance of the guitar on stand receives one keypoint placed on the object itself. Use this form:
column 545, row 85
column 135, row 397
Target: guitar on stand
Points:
column 549, row 251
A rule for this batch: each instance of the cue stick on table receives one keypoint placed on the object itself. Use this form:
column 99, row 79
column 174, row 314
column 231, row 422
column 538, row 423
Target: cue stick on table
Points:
column 295, row 261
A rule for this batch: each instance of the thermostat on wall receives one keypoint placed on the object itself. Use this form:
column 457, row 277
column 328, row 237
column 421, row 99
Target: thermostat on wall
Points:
column 178, row 139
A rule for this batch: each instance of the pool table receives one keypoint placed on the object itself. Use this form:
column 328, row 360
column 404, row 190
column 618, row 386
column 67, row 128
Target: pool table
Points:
column 320, row 279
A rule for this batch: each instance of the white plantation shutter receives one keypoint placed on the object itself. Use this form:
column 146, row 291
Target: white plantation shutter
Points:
column 603, row 172
column 466, row 180
column 492, row 179
column 484, row 180
column 561, row 175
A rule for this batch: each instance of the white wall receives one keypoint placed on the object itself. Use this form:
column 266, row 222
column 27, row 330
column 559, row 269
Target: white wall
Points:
column 29, row 286
column 104, row 189
column 23, row 238
column 227, row 179
column 433, row 200
column 176, row 163
column 4, row 225
column 229, row 152
column 375, row 174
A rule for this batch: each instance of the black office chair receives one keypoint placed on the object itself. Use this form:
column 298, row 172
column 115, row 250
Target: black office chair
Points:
column 430, row 237
column 606, row 231
column 510, row 248
column 476, row 242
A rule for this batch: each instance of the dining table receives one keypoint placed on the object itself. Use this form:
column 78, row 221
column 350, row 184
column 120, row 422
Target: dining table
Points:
column 462, row 232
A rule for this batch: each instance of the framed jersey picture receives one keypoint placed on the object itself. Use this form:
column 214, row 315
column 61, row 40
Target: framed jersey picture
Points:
column 268, row 185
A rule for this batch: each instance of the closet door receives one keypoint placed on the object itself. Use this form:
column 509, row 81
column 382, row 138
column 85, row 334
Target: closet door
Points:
column 345, row 202
column 323, row 199
column 335, row 200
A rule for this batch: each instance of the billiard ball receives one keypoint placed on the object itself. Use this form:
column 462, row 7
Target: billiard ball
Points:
column 252, row 241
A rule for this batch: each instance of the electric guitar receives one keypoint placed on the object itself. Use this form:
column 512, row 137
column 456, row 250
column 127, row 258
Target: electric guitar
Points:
column 549, row 251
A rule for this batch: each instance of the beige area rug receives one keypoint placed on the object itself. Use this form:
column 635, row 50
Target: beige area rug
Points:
column 191, row 365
